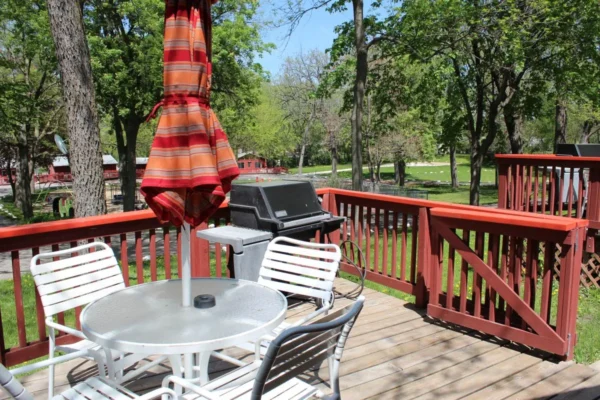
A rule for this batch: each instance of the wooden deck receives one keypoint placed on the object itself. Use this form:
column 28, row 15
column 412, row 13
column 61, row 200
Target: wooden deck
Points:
column 395, row 352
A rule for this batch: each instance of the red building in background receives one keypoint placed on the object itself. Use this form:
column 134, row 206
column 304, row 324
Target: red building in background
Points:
column 251, row 163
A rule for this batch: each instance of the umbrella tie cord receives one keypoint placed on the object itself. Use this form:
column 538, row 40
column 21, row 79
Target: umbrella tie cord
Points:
column 178, row 99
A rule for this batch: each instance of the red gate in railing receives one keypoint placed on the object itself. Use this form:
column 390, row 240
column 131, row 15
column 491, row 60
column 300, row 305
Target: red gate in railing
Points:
column 504, row 288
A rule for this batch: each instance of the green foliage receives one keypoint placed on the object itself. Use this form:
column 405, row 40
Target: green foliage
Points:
column 269, row 134
column 125, row 39
column 237, row 77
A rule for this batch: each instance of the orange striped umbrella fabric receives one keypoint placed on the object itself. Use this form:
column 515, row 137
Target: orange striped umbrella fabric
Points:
column 191, row 164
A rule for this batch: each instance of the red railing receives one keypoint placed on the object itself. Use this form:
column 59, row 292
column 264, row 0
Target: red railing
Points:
column 68, row 177
column 401, row 238
column 274, row 170
column 545, row 184
column 138, row 240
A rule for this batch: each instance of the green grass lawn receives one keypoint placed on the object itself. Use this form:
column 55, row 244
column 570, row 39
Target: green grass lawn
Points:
column 317, row 168
column 445, row 193
column 433, row 173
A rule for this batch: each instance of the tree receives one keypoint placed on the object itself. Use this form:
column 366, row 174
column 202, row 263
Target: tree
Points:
column 66, row 21
column 334, row 120
column 237, row 77
column 357, row 29
column 298, row 94
column 125, row 40
column 269, row 134
column 30, row 105
column 492, row 48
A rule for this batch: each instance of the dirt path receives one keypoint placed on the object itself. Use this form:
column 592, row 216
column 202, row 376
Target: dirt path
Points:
column 416, row 164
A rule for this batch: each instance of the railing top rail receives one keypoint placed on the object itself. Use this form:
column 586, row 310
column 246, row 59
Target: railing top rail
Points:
column 555, row 224
column 438, row 204
column 77, row 223
column 546, row 159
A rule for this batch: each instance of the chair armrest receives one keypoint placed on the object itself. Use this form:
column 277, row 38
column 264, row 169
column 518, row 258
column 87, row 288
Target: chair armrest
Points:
column 65, row 329
column 189, row 386
column 52, row 361
column 159, row 392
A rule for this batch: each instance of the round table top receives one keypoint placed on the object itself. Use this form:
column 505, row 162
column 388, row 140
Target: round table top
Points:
column 149, row 318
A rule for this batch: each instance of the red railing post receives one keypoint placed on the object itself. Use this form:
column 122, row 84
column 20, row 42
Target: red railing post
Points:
column 329, row 201
column 423, row 259
column 503, row 185
column 568, row 291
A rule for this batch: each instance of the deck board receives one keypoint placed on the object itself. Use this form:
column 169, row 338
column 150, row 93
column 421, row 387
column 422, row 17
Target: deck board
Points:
column 395, row 351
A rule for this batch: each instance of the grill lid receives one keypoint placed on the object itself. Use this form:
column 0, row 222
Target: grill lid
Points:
column 256, row 204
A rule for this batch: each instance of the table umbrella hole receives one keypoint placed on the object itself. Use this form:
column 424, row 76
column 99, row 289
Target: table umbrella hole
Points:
column 204, row 301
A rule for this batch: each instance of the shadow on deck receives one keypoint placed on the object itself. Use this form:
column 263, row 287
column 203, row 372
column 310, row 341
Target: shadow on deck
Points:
column 396, row 352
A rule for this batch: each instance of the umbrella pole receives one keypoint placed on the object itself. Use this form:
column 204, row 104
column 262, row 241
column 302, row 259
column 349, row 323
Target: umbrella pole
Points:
column 186, row 266
column 186, row 288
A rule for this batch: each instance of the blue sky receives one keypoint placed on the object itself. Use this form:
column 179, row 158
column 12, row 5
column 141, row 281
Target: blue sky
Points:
column 316, row 31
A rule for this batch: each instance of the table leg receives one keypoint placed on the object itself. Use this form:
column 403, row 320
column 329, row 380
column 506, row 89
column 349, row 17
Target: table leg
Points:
column 203, row 361
column 175, row 361
column 188, row 366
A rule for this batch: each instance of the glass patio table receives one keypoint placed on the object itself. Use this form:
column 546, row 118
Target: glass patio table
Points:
column 150, row 319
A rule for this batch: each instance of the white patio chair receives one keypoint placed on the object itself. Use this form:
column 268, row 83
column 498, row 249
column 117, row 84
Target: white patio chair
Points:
column 92, row 388
column 67, row 283
column 297, row 268
column 293, row 352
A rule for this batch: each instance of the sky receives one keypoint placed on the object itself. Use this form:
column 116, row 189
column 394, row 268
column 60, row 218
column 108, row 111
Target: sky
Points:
column 316, row 31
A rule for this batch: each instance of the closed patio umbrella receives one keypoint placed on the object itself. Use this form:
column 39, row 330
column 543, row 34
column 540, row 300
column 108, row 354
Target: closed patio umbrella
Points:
column 191, row 164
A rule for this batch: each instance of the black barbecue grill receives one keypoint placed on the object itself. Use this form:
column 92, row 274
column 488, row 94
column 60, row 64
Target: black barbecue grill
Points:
column 284, row 208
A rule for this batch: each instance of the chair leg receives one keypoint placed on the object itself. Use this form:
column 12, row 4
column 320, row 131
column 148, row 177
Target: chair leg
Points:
column 52, row 346
column 334, row 375
column 110, row 364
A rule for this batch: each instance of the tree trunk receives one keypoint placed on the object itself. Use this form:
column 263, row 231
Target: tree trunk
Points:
column 301, row 161
column 453, row 167
column 360, row 84
column 73, row 55
column 588, row 130
column 514, row 126
column 10, row 177
column 560, row 123
column 129, row 189
column 23, row 188
column 378, row 174
column 400, row 172
column 334, row 154
column 305, row 139
column 476, row 165
column 371, row 165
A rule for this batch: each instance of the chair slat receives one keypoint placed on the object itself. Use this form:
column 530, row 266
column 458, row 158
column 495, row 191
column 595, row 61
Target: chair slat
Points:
column 224, row 380
column 79, row 301
column 320, row 350
column 302, row 261
column 66, row 284
column 79, row 291
column 75, row 271
column 297, row 279
column 303, row 251
column 106, row 389
column 70, row 262
column 314, row 272
column 307, row 341
column 309, row 364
